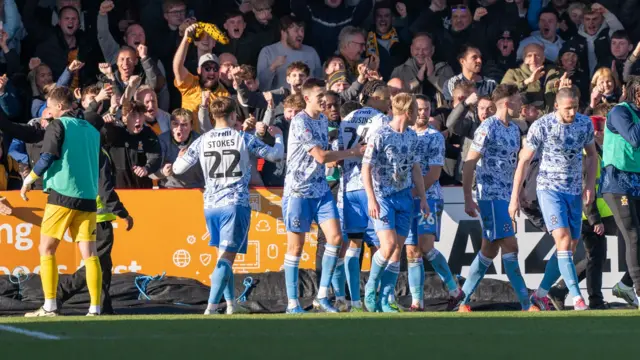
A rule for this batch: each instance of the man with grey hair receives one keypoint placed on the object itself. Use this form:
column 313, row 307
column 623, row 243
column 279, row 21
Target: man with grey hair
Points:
column 532, row 76
column 351, row 46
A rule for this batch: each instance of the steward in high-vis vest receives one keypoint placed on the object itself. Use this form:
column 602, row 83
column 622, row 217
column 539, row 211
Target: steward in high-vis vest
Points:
column 109, row 207
column 621, row 178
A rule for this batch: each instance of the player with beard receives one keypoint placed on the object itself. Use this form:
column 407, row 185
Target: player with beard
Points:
column 133, row 148
column 425, row 232
column 274, row 59
column 390, row 170
column 356, row 128
column 191, row 86
column 559, row 138
column 495, row 152
column 224, row 156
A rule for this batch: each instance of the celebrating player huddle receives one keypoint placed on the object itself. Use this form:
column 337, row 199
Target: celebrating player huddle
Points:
column 389, row 192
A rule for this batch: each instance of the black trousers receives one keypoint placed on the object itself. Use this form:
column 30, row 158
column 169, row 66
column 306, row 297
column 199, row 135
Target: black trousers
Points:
column 627, row 216
column 78, row 282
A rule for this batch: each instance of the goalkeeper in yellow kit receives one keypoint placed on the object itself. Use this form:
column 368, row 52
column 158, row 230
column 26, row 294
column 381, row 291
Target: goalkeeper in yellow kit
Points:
column 69, row 167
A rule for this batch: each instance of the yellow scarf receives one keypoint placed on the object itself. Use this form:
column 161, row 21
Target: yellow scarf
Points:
column 372, row 41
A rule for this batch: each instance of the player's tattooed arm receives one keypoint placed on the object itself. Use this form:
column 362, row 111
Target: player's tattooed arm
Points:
column 469, row 167
column 418, row 182
column 432, row 175
column 591, row 159
column 526, row 155
column 367, row 181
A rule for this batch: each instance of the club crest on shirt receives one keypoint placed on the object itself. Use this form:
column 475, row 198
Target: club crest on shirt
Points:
column 307, row 135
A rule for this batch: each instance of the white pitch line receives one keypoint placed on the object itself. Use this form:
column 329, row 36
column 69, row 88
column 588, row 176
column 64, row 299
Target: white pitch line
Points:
column 33, row 334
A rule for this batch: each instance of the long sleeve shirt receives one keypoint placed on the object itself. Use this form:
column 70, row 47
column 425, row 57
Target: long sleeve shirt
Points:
column 620, row 121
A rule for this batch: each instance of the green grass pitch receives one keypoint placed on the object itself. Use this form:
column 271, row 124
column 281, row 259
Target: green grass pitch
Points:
column 480, row 335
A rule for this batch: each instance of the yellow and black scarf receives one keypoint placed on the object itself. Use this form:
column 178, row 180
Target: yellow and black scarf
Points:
column 372, row 41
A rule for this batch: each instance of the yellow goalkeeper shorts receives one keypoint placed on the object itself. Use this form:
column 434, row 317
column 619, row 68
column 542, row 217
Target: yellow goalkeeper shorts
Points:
column 57, row 219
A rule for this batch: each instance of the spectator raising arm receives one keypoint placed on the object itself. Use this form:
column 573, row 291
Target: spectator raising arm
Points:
column 9, row 101
column 108, row 44
column 179, row 70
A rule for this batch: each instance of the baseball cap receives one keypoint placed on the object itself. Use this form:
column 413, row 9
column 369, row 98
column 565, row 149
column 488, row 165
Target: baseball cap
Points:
column 207, row 58
column 532, row 99
column 567, row 47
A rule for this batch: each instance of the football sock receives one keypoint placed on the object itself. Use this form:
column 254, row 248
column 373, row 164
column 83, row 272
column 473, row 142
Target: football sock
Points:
column 352, row 269
column 228, row 292
column 339, row 279
column 477, row 270
column 512, row 268
column 49, row 278
column 415, row 273
column 551, row 275
column 441, row 267
column 291, row 264
column 377, row 268
column 94, row 282
column 389, row 280
column 329, row 261
column 568, row 271
column 219, row 280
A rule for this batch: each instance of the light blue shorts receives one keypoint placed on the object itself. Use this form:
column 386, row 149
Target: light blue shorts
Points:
column 496, row 222
column 421, row 225
column 396, row 212
column 561, row 210
column 298, row 213
column 355, row 217
column 229, row 227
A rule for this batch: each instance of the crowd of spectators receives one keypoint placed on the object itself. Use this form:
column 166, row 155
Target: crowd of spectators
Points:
column 146, row 53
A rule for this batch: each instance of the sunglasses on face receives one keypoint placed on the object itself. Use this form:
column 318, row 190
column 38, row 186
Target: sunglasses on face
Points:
column 211, row 68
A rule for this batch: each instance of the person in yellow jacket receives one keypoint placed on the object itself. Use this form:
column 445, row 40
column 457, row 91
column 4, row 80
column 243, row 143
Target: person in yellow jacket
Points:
column 597, row 222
